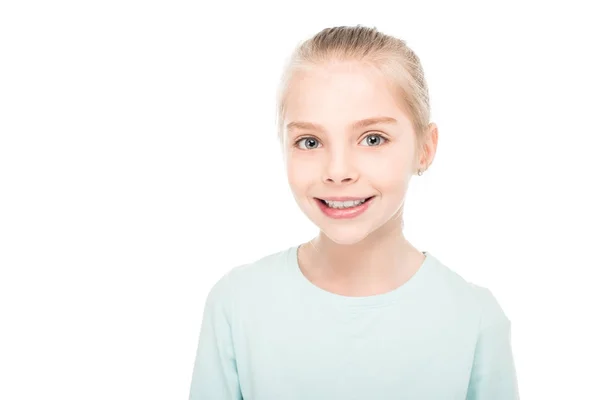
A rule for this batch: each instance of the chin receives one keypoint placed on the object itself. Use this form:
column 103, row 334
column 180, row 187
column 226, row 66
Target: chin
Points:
column 350, row 231
column 345, row 235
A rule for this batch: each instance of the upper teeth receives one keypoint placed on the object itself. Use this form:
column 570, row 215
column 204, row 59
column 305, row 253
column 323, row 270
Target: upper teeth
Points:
column 344, row 204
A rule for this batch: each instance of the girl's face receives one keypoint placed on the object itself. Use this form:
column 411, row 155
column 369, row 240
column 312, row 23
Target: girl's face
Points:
column 346, row 136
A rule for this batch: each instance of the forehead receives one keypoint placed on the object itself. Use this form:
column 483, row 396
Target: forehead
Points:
column 337, row 94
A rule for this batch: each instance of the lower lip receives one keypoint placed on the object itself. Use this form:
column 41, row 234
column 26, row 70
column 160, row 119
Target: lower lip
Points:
column 343, row 213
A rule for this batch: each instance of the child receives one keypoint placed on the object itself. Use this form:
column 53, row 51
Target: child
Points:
column 357, row 312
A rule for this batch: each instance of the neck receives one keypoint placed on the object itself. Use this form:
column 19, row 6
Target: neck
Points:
column 376, row 264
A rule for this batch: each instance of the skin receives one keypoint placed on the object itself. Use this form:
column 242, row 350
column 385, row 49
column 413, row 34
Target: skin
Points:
column 368, row 254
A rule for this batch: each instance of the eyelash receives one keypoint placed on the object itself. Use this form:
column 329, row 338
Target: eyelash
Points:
column 383, row 138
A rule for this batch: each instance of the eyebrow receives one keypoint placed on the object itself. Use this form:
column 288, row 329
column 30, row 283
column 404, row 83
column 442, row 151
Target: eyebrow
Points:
column 363, row 123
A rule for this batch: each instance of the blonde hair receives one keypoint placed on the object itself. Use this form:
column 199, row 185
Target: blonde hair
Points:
column 398, row 63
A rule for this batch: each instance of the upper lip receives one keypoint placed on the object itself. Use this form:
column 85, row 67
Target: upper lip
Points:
column 343, row 198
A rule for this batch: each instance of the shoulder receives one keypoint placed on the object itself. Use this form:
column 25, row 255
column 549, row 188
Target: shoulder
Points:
column 258, row 272
column 255, row 275
column 479, row 300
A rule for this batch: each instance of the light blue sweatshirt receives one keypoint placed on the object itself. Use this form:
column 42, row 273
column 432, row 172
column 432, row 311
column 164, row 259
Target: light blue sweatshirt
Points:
column 268, row 333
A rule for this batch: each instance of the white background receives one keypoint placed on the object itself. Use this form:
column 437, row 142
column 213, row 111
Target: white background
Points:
column 139, row 163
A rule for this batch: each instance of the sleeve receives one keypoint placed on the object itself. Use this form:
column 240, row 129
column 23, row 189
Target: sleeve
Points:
column 493, row 374
column 214, row 374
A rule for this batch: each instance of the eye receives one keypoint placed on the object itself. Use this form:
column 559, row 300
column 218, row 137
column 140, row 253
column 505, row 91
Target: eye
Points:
column 374, row 140
column 309, row 143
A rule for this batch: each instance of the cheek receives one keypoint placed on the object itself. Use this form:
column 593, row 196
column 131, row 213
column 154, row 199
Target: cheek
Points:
column 390, row 167
column 388, row 175
column 300, row 173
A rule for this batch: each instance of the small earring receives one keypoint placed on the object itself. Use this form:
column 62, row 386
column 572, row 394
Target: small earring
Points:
column 420, row 172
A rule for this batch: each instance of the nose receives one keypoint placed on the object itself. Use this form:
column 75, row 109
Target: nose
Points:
column 340, row 169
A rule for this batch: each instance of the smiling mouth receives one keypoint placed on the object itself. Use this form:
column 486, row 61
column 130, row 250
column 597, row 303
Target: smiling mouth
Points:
column 344, row 204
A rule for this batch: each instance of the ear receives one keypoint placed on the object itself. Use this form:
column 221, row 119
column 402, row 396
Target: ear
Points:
column 429, row 147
